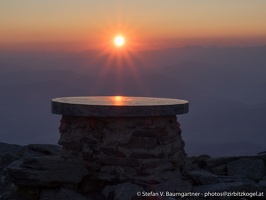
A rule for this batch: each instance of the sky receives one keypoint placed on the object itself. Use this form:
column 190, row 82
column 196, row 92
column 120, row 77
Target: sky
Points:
column 87, row 24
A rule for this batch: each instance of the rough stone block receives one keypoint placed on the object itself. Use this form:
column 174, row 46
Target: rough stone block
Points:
column 220, row 187
column 121, row 173
column 213, row 162
column 121, row 161
column 61, row 194
column 111, row 151
column 167, row 139
column 174, row 185
column 40, row 150
column 262, row 183
column 141, row 142
column 245, row 167
column 178, row 157
column 143, row 155
column 203, row 177
column 220, row 169
column 123, row 191
column 46, row 172
column 167, row 175
column 152, row 163
column 7, row 159
column 150, row 133
column 9, row 148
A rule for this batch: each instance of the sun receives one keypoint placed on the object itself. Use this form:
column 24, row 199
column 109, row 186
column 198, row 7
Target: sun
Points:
column 119, row 41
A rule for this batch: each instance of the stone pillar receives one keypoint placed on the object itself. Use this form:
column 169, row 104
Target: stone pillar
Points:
column 139, row 149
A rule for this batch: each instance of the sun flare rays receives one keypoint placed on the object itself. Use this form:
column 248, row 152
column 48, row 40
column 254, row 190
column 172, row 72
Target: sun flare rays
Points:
column 120, row 59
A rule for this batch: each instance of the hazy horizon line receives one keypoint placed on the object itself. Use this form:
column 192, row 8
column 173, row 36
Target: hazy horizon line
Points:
column 70, row 50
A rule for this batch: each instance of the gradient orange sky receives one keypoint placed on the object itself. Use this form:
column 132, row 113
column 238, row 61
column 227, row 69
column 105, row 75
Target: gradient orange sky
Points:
column 82, row 24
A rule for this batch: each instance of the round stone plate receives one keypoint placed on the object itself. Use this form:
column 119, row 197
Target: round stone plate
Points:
column 118, row 106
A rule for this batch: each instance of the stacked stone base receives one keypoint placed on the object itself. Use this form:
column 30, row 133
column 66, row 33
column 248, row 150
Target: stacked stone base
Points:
column 142, row 150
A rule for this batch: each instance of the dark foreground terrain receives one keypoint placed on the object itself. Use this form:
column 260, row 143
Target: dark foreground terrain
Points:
column 38, row 172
